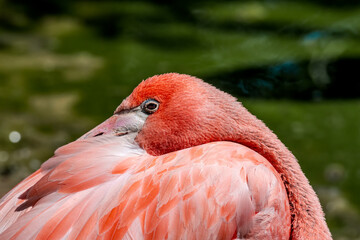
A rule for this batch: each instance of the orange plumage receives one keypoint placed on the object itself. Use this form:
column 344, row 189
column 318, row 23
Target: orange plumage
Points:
column 179, row 159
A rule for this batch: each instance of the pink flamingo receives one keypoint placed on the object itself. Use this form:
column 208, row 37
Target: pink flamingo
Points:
column 179, row 159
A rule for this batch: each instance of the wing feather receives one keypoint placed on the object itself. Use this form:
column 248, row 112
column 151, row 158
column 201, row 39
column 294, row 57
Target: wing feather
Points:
column 11, row 201
column 107, row 188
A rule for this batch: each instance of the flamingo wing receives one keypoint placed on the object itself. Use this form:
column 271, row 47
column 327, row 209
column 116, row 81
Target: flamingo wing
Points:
column 109, row 188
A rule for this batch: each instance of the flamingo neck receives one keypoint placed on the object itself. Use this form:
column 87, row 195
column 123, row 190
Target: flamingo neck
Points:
column 307, row 216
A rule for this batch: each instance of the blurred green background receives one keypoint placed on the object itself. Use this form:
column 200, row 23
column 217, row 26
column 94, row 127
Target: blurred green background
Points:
column 66, row 65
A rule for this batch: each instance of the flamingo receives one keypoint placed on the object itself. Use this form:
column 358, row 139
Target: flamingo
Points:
column 179, row 159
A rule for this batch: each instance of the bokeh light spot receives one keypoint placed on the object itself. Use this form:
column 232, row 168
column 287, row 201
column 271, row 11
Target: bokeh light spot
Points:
column 14, row 137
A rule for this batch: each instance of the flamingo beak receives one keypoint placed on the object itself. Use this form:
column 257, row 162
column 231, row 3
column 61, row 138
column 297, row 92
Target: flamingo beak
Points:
column 121, row 123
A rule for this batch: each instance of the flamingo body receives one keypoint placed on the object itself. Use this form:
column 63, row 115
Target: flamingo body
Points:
column 108, row 188
column 179, row 159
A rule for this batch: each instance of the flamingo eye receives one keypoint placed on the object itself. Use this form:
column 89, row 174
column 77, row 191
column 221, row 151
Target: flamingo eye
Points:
column 150, row 106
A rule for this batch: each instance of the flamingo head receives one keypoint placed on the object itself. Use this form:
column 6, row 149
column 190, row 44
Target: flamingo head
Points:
column 173, row 111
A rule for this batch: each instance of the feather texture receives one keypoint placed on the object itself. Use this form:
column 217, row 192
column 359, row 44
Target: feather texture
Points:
column 108, row 188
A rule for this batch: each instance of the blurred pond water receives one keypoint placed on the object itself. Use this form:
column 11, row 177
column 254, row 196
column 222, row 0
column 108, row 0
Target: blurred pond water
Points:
column 66, row 66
